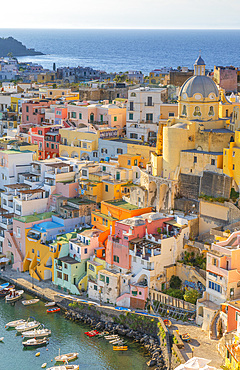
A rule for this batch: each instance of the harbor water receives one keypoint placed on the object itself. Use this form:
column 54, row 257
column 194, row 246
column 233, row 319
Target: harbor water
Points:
column 94, row 353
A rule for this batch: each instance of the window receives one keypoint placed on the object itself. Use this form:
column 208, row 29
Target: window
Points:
column 9, row 244
column 52, row 146
column 91, row 267
column 184, row 110
column 59, row 275
column 95, row 287
column 149, row 117
column 27, row 108
column 215, row 286
column 115, row 119
column 65, row 266
column 32, row 250
column 131, row 105
column 211, row 111
column 39, row 132
column 213, row 162
column 74, row 115
column 85, row 250
column 135, row 162
column 47, row 145
column 95, row 154
column 129, row 162
column 195, row 159
column 215, row 262
column 140, row 293
column 119, row 151
column 38, row 253
column 84, row 145
column 107, row 279
column 116, row 259
column 134, row 292
column 133, row 136
column 101, row 117
column 18, row 232
column 84, row 172
column 197, row 112
column 170, row 114
column 233, row 154
column 80, row 115
column 131, row 116
column 65, row 277
column 233, row 167
column 94, row 218
column 102, row 278
column 27, row 118
column 106, row 188
column 149, row 101
column 133, row 94
column 226, row 112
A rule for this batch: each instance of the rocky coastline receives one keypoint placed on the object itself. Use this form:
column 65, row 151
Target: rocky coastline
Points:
column 14, row 47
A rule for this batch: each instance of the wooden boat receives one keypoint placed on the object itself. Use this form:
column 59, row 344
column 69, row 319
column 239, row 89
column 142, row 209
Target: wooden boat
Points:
column 29, row 325
column 109, row 337
column 13, row 324
column 186, row 337
column 36, row 333
column 66, row 357
column 115, row 340
column 14, row 295
column 168, row 323
column 35, row 342
column 53, row 310
column 120, row 348
column 118, row 341
column 30, row 301
column 49, row 304
column 64, row 367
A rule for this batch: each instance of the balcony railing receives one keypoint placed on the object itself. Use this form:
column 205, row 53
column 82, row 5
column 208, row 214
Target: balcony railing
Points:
column 149, row 105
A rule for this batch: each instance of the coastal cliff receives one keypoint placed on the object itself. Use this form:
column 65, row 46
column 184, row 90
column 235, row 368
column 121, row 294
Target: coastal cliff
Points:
column 15, row 47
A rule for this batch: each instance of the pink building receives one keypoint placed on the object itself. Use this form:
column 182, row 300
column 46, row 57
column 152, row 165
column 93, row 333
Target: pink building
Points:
column 34, row 111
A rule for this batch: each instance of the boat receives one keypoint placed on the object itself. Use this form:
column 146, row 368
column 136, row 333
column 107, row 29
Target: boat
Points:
column 36, row 333
column 30, row 301
column 186, row 337
column 27, row 326
column 91, row 333
column 53, row 310
column 66, row 357
column 168, row 323
column 64, row 367
column 120, row 348
column 6, row 291
column 1, row 339
column 14, row 295
column 109, row 337
column 44, row 365
column 35, row 342
column 4, row 286
column 13, row 324
column 50, row 304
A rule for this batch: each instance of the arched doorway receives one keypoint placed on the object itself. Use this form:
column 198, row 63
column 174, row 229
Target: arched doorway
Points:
column 49, row 262
column 64, row 153
column 91, row 117
column 10, row 256
column 74, row 154
column 47, row 274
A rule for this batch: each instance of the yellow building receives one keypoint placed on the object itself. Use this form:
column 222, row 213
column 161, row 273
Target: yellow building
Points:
column 231, row 160
column 158, row 76
column 46, row 77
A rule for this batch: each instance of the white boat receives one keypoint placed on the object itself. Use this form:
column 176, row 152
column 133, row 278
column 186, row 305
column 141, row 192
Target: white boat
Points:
column 27, row 326
column 49, row 304
column 1, row 339
column 66, row 357
column 14, row 295
column 35, row 342
column 64, row 367
column 36, row 333
column 13, row 324
column 4, row 286
column 30, row 301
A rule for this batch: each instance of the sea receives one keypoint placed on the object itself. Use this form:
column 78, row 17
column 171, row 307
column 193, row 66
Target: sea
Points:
column 120, row 50
column 67, row 336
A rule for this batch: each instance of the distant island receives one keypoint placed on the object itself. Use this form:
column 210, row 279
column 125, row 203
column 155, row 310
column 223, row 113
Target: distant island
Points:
column 16, row 48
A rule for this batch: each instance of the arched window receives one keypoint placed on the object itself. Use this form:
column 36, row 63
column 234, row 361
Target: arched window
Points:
column 133, row 94
column 197, row 111
column 211, row 111
column 184, row 110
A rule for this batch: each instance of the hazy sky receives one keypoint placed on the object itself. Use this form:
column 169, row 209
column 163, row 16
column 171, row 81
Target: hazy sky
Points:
column 120, row 14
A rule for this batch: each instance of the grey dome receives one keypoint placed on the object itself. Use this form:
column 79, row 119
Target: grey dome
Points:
column 199, row 85
column 199, row 61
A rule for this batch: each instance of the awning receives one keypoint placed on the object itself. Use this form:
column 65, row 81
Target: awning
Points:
column 173, row 223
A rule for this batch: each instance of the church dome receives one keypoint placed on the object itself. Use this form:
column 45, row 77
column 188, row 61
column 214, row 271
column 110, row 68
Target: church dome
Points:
column 199, row 85
column 199, row 61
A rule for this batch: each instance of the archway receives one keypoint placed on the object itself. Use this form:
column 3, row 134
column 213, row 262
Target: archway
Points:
column 64, row 153
column 163, row 197
column 10, row 256
column 92, row 117
column 85, row 156
column 200, row 311
column 152, row 193
column 47, row 274
column 143, row 280
column 74, row 154
column 49, row 262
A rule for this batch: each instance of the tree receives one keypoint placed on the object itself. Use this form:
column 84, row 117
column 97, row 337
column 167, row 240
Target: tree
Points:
column 191, row 295
column 175, row 282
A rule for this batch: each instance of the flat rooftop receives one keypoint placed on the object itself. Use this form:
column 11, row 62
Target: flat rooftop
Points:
column 122, row 204
column 36, row 217
column 69, row 260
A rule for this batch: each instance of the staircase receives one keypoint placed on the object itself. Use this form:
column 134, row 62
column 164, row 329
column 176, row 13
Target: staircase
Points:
column 12, row 239
column 213, row 326
column 36, row 272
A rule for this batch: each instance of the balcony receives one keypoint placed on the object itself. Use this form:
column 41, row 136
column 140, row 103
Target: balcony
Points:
column 149, row 105
column 98, row 122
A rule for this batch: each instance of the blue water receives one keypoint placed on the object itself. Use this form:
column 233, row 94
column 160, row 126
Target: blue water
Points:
column 123, row 50
column 94, row 353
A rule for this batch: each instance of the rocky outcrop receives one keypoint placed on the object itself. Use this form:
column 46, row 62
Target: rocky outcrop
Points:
column 15, row 47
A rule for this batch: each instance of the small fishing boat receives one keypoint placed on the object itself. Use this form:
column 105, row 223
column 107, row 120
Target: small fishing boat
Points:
column 186, row 337
column 49, row 304
column 13, row 324
column 37, row 333
column 1, row 339
column 4, row 286
column 44, row 365
column 29, row 325
column 91, row 333
column 30, row 301
column 67, row 357
column 6, row 291
column 14, row 295
column 64, row 367
column 120, row 348
column 53, row 310
column 35, row 342
column 117, row 341
column 168, row 323
column 109, row 337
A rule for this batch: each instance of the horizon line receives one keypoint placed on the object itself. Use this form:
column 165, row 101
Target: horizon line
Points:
column 120, row 28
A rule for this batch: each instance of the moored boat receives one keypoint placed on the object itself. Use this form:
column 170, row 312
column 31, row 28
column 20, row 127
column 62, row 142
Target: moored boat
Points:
column 6, row 291
column 29, row 325
column 4, row 286
column 53, row 310
column 120, row 348
column 66, row 357
column 37, row 333
column 13, row 324
column 35, row 342
column 186, row 337
column 49, row 304
column 14, row 295
column 30, row 301
column 64, row 367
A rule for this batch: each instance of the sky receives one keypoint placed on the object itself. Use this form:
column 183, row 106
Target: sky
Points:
column 150, row 14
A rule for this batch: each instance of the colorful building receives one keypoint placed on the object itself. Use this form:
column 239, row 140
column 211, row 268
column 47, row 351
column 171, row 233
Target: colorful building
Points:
column 47, row 138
